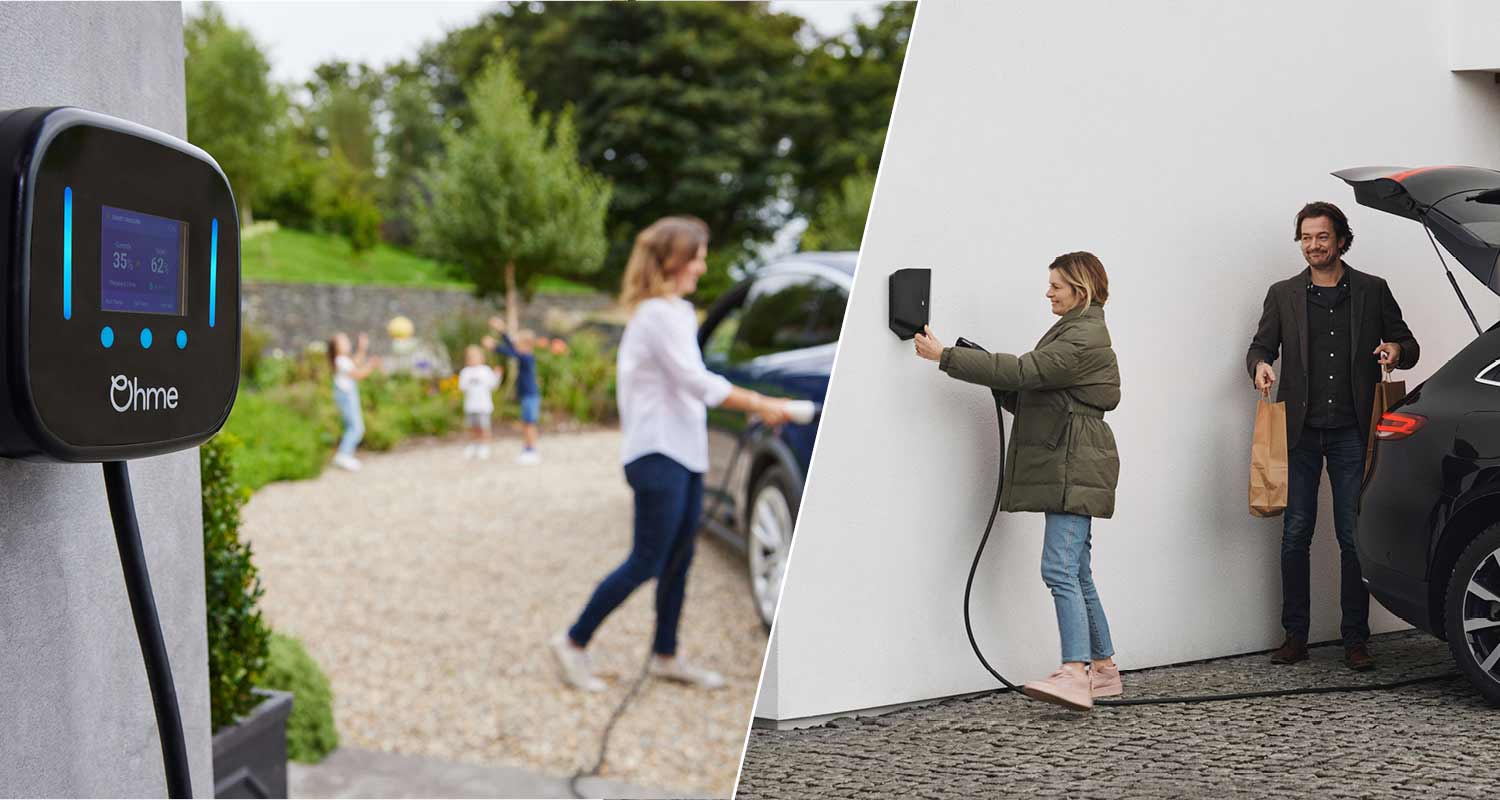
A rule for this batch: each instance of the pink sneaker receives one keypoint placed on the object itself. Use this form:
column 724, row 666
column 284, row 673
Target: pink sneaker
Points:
column 1105, row 681
column 1065, row 687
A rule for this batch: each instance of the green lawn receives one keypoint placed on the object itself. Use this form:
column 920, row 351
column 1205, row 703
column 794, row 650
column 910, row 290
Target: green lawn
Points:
column 292, row 256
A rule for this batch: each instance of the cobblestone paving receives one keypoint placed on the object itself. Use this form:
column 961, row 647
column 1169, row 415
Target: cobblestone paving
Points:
column 1435, row 739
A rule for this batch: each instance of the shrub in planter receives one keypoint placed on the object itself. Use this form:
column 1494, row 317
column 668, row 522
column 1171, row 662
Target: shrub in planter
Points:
column 238, row 639
column 310, row 733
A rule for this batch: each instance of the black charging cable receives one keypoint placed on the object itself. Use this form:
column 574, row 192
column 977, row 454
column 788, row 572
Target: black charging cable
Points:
column 645, row 672
column 1143, row 701
column 148, row 629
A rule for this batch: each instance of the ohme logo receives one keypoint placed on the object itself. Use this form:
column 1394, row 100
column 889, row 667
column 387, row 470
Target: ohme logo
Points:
column 126, row 394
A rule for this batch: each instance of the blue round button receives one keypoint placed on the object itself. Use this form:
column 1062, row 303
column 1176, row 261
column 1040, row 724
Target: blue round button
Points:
column 146, row 338
column 107, row 337
column 181, row 339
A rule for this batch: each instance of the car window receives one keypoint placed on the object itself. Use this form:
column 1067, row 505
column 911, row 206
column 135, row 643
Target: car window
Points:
column 1478, row 211
column 716, row 350
column 788, row 312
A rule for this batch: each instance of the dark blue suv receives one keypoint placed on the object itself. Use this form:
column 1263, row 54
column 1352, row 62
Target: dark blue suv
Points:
column 776, row 333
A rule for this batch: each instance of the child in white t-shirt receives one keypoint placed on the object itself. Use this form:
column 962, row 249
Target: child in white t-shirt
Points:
column 478, row 382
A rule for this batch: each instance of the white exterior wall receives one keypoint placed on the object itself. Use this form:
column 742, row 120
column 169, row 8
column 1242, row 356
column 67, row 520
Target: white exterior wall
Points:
column 1473, row 44
column 1176, row 140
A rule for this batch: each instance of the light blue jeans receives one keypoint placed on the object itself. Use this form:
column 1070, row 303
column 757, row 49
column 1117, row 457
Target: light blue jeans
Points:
column 1065, row 569
column 354, row 421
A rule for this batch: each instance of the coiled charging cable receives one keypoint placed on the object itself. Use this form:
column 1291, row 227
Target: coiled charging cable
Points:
column 1143, row 701
column 804, row 412
column 148, row 629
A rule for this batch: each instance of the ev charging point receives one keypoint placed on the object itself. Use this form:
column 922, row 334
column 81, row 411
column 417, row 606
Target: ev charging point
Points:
column 112, row 235
column 114, row 254
column 910, row 293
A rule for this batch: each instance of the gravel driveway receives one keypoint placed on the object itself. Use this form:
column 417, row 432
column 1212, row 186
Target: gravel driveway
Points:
column 427, row 584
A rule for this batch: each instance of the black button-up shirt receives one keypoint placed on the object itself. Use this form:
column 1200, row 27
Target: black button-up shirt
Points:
column 1330, row 391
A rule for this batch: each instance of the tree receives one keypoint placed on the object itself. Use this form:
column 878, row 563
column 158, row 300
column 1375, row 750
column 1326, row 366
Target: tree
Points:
column 509, row 199
column 413, row 136
column 340, row 128
column 839, row 222
column 849, row 87
column 233, row 109
column 683, row 106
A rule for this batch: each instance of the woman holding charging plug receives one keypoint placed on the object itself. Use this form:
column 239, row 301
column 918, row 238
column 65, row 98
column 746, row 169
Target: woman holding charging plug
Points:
column 1061, row 461
column 663, row 393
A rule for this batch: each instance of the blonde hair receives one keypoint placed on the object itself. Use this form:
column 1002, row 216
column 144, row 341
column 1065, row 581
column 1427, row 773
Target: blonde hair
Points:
column 1084, row 272
column 660, row 252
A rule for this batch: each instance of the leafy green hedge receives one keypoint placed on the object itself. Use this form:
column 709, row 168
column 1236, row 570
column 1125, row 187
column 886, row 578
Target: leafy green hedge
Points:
column 310, row 732
column 289, row 433
column 579, row 384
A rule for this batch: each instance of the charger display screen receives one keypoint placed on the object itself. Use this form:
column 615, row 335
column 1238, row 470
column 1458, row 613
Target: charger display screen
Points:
column 141, row 267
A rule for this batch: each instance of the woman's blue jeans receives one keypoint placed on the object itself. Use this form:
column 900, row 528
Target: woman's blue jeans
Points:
column 354, row 420
column 668, row 501
column 1065, row 568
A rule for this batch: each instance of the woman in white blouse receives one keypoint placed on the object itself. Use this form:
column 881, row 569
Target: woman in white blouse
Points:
column 663, row 392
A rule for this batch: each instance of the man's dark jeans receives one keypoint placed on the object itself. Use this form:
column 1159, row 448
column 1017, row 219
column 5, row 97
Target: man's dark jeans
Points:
column 1345, row 450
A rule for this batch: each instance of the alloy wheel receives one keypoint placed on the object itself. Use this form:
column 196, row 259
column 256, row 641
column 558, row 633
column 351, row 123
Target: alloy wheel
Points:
column 770, row 538
column 1481, row 615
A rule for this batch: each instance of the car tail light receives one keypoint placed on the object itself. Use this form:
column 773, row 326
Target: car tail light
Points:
column 1394, row 425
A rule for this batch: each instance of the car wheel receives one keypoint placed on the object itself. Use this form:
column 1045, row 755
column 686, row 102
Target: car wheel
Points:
column 768, row 537
column 1472, row 613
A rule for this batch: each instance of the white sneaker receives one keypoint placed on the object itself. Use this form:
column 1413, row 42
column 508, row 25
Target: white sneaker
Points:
column 574, row 664
column 529, row 457
column 348, row 462
column 675, row 669
column 484, row 452
column 469, row 451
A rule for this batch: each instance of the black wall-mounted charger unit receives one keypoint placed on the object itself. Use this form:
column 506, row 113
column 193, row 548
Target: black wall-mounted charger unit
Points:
column 120, row 318
column 120, row 304
column 909, row 291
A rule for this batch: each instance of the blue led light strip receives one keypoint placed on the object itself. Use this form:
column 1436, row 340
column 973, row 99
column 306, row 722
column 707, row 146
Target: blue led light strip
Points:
column 67, row 252
column 213, row 272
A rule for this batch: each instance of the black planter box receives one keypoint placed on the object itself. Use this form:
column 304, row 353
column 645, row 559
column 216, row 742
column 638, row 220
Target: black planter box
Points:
column 250, row 756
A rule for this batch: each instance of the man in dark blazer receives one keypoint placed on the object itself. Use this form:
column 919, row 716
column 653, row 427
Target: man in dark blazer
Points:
column 1335, row 329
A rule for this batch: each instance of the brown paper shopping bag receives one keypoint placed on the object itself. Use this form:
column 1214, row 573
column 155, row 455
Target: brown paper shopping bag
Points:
column 1268, row 460
column 1387, row 394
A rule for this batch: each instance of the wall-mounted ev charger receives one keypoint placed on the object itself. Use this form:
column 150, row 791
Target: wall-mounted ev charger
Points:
column 121, row 307
column 120, row 312
column 909, row 297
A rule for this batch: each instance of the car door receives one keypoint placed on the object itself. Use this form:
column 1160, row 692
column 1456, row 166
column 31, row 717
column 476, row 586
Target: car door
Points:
column 780, row 340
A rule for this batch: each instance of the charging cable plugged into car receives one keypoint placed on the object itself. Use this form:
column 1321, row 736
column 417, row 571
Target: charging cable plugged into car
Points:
column 909, row 304
column 120, row 314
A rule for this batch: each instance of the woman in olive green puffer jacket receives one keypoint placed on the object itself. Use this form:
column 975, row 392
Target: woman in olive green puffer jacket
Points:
column 1061, row 460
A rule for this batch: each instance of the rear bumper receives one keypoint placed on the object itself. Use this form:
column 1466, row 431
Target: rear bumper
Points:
column 1405, row 596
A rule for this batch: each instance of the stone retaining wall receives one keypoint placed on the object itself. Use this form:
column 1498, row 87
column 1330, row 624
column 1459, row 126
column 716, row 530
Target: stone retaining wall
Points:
column 296, row 314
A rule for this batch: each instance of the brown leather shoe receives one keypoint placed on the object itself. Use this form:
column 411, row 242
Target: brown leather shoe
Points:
column 1357, row 657
column 1292, row 650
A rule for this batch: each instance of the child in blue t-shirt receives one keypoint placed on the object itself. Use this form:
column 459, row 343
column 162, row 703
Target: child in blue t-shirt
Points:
column 528, row 391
